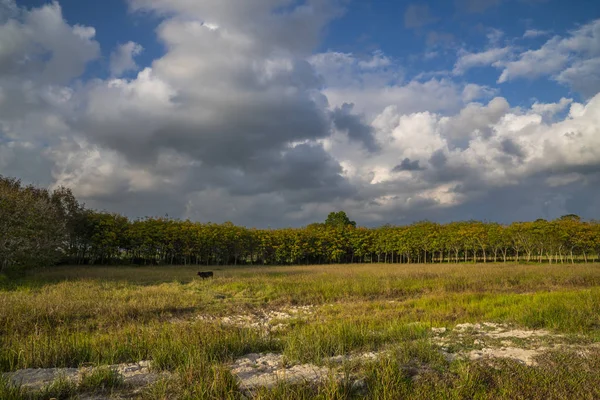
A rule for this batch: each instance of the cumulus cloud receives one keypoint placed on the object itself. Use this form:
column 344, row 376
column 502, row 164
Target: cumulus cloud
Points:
column 39, row 45
column 239, row 120
column 474, row 119
column 551, row 108
column 40, row 54
column 502, row 148
column 122, row 59
column 473, row 91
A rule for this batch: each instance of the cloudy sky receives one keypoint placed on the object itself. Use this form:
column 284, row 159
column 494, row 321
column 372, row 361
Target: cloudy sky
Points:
column 277, row 112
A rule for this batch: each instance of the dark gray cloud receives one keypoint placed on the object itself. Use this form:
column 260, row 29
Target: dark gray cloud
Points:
column 529, row 200
column 438, row 159
column 408, row 165
column 512, row 149
column 353, row 125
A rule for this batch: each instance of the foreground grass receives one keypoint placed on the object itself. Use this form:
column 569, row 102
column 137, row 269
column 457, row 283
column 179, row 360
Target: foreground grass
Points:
column 67, row 317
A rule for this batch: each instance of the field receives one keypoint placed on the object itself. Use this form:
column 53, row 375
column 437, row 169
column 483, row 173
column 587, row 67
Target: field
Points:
column 379, row 331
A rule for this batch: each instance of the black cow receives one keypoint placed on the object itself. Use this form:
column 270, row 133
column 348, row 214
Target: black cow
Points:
column 206, row 274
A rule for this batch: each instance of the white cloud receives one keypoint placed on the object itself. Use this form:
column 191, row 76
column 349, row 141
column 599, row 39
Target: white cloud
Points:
column 122, row 59
column 533, row 33
column 583, row 76
column 552, row 108
column 534, row 63
column 494, row 36
column 569, row 59
column 43, row 33
column 491, row 57
column 473, row 91
column 434, row 94
column 378, row 60
column 346, row 69
column 474, row 120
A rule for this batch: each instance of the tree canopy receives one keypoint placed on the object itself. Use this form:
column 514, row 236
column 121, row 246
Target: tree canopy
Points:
column 339, row 219
column 39, row 227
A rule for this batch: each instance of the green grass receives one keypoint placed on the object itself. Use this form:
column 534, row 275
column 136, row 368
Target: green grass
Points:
column 101, row 379
column 67, row 317
column 61, row 389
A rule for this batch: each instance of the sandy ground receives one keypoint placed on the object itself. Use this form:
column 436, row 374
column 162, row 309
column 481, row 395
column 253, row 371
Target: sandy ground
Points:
column 485, row 341
column 135, row 376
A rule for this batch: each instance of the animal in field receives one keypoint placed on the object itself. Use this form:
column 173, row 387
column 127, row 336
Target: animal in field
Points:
column 205, row 274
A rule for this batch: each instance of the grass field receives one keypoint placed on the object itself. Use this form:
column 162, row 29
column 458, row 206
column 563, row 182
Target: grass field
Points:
column 195, row 329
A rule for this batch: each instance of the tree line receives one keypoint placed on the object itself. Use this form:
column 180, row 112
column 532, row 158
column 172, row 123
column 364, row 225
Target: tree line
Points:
column 39, row 227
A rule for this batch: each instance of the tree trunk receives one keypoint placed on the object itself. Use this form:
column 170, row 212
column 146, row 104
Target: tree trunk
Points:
column 572, row 260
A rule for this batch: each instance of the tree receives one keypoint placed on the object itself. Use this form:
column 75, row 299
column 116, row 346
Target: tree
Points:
column 339, row 219
column 33, row 229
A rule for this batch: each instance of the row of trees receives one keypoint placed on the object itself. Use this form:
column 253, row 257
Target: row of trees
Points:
column 111, row 238
column 39, row 227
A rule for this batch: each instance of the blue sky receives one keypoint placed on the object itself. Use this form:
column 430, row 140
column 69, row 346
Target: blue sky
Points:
column 277, row 112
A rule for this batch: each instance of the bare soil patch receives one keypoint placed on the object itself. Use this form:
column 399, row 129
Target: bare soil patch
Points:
column 489, row 340
column 136, row 376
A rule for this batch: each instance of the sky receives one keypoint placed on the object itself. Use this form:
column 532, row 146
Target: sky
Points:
column 273, row 113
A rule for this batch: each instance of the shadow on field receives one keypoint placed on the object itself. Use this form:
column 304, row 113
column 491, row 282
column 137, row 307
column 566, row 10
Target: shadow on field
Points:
column 138, row 275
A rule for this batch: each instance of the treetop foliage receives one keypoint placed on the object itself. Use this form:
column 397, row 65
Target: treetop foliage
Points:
column 39, row 227
column 339, row 219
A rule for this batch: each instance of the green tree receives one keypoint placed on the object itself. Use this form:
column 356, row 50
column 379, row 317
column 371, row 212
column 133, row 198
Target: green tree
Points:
column 339, row 219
